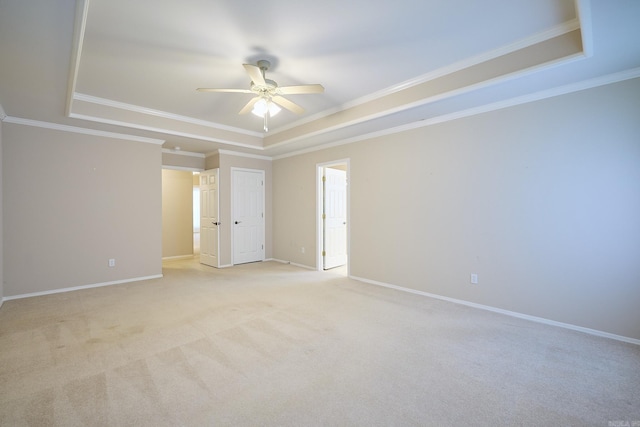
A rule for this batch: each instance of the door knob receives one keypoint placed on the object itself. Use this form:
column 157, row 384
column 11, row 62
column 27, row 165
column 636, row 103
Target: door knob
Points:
column 215, row 223
column 238, row 222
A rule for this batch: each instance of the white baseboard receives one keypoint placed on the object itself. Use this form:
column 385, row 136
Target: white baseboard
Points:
column 295, row 264
column 173, row 258
column 505, row 312
column 77, row 288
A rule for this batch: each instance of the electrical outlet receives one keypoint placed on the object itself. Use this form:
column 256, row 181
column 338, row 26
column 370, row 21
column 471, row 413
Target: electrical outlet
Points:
column 302, row 250
column 112, row 262
column 474, row 279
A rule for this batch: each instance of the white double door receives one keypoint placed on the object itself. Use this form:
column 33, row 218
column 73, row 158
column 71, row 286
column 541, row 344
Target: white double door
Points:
column 209, row 218
column 248, row 223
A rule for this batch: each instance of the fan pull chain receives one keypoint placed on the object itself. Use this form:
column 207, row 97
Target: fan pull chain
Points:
column 266, row 125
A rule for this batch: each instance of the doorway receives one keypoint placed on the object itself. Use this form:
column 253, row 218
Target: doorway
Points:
column 333, row 215
column 247, row 213
column 196, row 214
column 209, row 218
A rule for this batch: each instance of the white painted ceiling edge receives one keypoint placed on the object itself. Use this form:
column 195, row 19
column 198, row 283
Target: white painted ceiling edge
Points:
column 317, row 130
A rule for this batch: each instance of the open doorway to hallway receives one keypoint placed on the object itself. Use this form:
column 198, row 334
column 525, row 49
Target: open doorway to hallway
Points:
column 333, row 216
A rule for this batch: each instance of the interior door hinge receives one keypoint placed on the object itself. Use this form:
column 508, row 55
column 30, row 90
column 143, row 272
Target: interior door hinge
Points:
column 324, row 179
column 324, row 253
column 324, row 216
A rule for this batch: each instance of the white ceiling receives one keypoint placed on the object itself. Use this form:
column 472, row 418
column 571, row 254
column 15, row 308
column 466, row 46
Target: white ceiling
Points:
column 132, row 66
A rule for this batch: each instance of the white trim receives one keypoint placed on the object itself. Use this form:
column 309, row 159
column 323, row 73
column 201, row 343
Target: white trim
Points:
column 177, row 257
column 264, row 210
column 238, row 154
column 435, row 98
column 80, row 25
column 295, row 264
column 182, row 168
column 182, row 153
column 583, row 10
column 319, row 202
column 162, row 130
column 512, row 102
column 78, row 288
column 549, row 34
column 306, row 267
column 163, row 114
column 556, row 31
column 502, row 311
column 3, row 115
column 85, row 131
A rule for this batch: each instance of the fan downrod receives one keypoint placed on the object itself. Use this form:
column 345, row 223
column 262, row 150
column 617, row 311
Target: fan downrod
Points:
column 264, row 65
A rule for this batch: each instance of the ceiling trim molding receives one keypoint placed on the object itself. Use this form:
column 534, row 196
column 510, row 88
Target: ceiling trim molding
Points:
column 583, row 10
column 435, row 98
column 182, row 153
column 182, row 168
column 162, row 114
column 80, row 25
column 549, row 34
column 85, row 131
column 549, row 93
column 161, row 130
column 238, row 154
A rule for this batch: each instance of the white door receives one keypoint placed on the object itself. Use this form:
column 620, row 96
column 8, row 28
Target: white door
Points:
column 209, row 218
column 335, row 218
column 247, row 215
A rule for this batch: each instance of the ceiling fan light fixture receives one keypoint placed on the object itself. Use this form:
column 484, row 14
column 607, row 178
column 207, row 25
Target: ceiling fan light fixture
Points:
column 261, row 107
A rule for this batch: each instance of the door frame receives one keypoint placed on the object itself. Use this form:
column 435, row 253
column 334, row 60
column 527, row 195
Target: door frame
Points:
column 232, row 200
column 216, row 173
column 319, row 210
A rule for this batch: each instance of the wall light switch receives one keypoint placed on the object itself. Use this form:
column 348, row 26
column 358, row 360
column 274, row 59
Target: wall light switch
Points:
column 474, row 279
column 112, row 262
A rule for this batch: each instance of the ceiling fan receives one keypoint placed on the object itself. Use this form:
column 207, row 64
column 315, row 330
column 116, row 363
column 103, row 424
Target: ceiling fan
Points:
column 268, row 99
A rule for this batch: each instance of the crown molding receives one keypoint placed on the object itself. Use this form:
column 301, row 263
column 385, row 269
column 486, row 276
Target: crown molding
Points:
column 435, row 98
column 162, row 130
column 85, row 131
column 182, row 153
column 162, row 114
column 80, row 25
column 537, row 96
column 551, row 33
column 238, row 154
column 182, row 168
column 583, row 10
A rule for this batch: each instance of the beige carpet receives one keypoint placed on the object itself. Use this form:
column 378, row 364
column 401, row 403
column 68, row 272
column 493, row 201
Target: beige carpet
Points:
column 273, row 345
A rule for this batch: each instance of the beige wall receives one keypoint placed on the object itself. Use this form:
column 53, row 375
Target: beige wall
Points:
column 74, row 201
column 177, row 213
column 540, row 200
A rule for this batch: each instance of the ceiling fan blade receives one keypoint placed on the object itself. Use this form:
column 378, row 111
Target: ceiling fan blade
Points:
column 207, row 89
column 247, row 108
column 302, row 89
column 284, row 102
column 255, row 73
